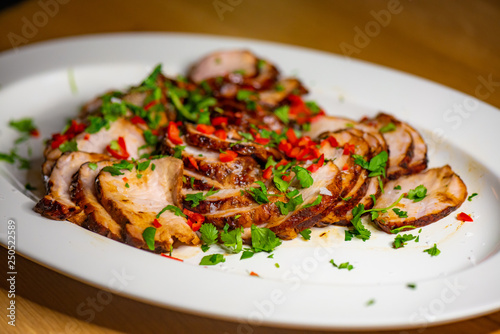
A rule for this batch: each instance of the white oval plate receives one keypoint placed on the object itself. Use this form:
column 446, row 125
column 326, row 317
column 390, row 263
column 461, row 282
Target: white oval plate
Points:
column 306, row 291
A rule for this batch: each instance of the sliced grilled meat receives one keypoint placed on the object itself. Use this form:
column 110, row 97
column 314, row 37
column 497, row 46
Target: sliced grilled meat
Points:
column 57, row 203
column 97, row 142
column 211, row 142
column 327, row 183
column 399, row 142
column 418, row 161
column 445, row 193
column 280, row 91
column 136, row 207
column 83, row 193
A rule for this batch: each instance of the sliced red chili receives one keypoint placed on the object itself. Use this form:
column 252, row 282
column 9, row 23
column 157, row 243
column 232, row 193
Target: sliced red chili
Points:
column 193, row 162
column 206, row 129
column 286, row 178
column 123, row 154
column 349, row 149
column 292, row 138
column 171, row 257
column 283, row 162
column 156, row 223
column 333, row 142
column 150, row 104
column 294, row 152
column 173, row 133
column 221, row 134
column 228, row 156
column 57, row 140
column 464, row 217
column 345, row 167
column 137, row 120
column 253, row 273
column 216, row 121
column 86, row 137
column 314, row 167
column 260, row 140
column 194, row 219
column 285, row 146
column 35, row 133
column 268, row 173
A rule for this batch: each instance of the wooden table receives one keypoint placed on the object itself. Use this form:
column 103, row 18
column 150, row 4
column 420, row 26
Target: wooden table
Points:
column 453, row 43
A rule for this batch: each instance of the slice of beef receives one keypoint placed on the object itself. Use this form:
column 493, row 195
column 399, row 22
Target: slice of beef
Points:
column 327, row 184
column 57, row 203
column 445, row 193
column 399, row 142
column 97, row 142
column 136, row 206
column 83, row 193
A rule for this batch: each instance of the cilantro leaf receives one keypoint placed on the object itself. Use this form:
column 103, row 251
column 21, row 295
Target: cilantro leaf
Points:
column 209, row 234
column 400, row 240
column 399, row 229
column 263, row 239
column 69, row 146
column 433, row 251
column 306, row 234
column 304, row 176
column 388, row 128
column 149, row 237
column 417, row 194
column 142, row 166
column 112, row 170
column 92, row 165
column 400, row 213
column 174, row 209
column 246, row 254
column 344, row 265
column 178, row 151
column 260, row 195
column 317, row 201
column 472, row 196
column 210, row 260
column 232, row 239
column 282, row 113
column 198, row 197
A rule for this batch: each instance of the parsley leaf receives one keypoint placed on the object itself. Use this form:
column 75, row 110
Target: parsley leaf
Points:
column 69, row 146
column 433, row 251
column 210, row 260
column 304, row 176
column 401, row 240
column 344, row 265
column 316, row 202
column 306, row 234
column 417, row 194
column 198, row 197
column 232, row 239
column 388, row 128
column 209, row 234
column 149, row 237
column 263, row 239
column 282, row 113
column 400, row 213
column 472, row 196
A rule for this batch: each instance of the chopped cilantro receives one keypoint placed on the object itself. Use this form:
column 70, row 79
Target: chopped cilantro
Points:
column 400, row 213
column 92, row 165
column 178, row 151
column 388, row 128
column 246, row 254
column 417, row 194
column 398, row 187
column 142, row 166
column 411, row 285
column 232, row 239
column 263, row 239
column 304, row 176
column 344, row 265
column 370, row 302
column 209, row 234
column 306, row 234
column 282, row 113
column 29, row 187
column 69, row 146
column 198, row 197
column 149, row 237
column 472, row 196
column 399, row 229
column 260, row 195
column 317, row 201
column 433, row 251
column 112, row 170
column 210, row 260
column 174, row 209
column 401, row 240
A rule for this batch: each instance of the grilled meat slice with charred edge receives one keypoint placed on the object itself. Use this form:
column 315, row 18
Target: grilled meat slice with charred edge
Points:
column 97, row 142
column 57, row 203
column 445, row 193
column 83, row 193
column 211, row 142
column 278, row 93
column 242, row 171
column 399, row 142
column 326, row 183
column 419, row 160
column 354, row 177
column 136, row 207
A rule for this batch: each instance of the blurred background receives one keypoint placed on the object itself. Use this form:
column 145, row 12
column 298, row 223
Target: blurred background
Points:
column 455, row 43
